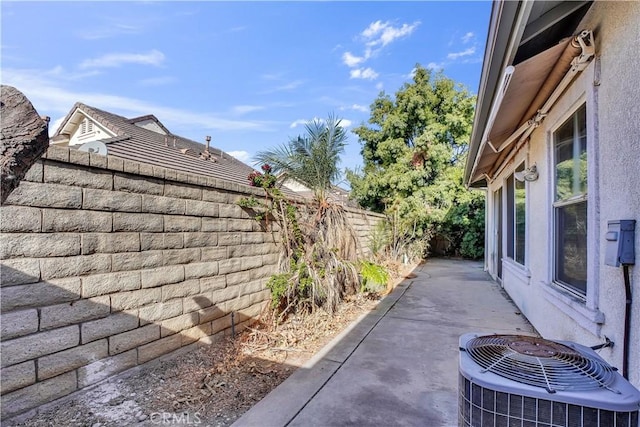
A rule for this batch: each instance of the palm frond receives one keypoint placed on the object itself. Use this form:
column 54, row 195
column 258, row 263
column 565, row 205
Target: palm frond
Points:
column 312, row 158
column 280, row 158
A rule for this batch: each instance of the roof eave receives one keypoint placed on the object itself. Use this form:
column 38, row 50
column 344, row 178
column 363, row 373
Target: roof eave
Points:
column 66, row 119
column 508, row 19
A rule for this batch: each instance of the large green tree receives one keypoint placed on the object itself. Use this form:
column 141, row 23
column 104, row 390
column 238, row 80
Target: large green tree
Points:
column 413, row 148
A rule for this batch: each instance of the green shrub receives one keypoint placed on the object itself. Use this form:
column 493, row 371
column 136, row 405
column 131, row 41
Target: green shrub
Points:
column 278, row 284
column 374, row 277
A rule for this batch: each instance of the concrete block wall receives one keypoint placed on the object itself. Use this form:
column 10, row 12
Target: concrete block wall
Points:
column 364, row 223
column 108, row 263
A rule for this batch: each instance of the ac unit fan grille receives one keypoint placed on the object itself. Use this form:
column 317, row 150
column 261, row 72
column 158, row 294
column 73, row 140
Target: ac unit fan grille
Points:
column 540, row 363
column 483, row 407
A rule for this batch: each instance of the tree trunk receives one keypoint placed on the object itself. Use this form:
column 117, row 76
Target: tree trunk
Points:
column 24, row 137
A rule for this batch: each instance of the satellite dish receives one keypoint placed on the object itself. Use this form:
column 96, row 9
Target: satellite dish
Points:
column 95, row 147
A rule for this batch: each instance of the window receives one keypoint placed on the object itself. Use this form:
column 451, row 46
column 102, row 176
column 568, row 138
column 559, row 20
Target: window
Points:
column 570, row 202
column 516, row 217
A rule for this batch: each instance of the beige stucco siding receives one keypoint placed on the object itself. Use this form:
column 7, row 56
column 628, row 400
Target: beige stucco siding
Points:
column 618, row 112
column 610, row 88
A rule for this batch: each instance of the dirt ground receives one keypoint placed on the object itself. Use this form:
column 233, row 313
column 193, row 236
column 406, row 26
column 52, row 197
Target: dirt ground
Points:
column 212, row 385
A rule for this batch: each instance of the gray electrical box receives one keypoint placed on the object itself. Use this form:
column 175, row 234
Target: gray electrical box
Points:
column 620, row 243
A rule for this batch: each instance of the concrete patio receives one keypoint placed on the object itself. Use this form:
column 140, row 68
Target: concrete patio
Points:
column 397, row 365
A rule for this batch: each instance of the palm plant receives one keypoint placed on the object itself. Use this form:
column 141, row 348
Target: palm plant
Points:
column 311, row 159
column 324, row 248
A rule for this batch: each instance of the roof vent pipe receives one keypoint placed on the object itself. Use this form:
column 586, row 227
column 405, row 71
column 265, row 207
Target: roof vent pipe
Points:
column 208, row 138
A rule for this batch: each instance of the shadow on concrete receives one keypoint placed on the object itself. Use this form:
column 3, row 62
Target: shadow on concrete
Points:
column 397, row 365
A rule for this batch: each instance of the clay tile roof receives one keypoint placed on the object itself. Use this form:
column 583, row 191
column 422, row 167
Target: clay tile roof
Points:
column 170, row 151
column 150, row 117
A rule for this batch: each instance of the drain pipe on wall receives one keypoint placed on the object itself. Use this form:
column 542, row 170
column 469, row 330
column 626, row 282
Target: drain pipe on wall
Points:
column 233, row 325
column 620, row 251
column 627, row 321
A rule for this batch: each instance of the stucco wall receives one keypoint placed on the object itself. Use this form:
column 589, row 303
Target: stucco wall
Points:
column 611, row 90
column 107, row 264
column 618, row 110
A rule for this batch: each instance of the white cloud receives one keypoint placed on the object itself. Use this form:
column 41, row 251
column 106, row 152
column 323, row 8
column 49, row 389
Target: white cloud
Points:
column 291, row 85
column 285, row 87
column 61, row 73
column 54, row 125
column 344, row 123
column 457, row 55
column 110, row 60
column 49, row 96
column 374, row 28
column 241, row 155
column 356, row 107
column 157, row 81
column 364, row 73
column 379, row 85
column 299, row 122
column 375, row 37
column 109, row 30
column 463, row 56
column 271, row 76
column 244, row 109
column 382, row 33
column 351, row 60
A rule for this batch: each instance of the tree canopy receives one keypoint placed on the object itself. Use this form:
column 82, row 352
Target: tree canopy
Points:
column 413, row 148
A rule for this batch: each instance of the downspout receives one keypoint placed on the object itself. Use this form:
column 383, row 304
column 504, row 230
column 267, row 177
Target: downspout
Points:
column 582, row 49
column 627, row 322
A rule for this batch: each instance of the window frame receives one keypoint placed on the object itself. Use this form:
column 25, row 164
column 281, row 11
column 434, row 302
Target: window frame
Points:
column 555, row 205
column 511, row 224
column 586, row 314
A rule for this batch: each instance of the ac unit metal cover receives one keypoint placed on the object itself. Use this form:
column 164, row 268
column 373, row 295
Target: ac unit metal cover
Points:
column 499, row 397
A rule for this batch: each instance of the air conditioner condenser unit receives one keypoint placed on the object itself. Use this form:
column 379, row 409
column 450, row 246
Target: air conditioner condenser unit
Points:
column 525, row 381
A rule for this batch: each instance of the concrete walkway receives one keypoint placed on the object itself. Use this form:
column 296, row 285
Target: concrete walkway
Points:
column 397, row 365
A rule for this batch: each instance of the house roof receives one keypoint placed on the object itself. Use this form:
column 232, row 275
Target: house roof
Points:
column 336, row 193
column 526, row 39
column 136, row 143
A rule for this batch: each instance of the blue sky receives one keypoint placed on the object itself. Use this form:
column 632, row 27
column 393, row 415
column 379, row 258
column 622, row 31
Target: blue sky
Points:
column 247, row 73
